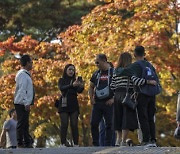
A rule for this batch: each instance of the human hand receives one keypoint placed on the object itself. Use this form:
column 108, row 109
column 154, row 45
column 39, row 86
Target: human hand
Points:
column 152, row 82
column 92, row 101
column 81, row 84
column 27, row 107
column 110, row 102
column 75, row 83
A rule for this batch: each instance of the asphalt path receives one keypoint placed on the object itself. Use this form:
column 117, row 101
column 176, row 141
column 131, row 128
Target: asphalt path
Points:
column 94, row 150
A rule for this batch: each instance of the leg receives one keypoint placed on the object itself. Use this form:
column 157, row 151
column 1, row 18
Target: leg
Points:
column 108, row 111
column 95, row 120
column 151, row 116
column 118, row 137
column 140, row 136
column 124, row 135
column 20, row 110
column 26, row 130
column 74, row 126
column 117, row 118
column 142, row 108
column 102, row 133
column 64, row 126
column 113, row 140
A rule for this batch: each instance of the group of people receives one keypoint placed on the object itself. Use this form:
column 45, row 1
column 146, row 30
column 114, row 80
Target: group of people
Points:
column 107, row 90
column 124, row 118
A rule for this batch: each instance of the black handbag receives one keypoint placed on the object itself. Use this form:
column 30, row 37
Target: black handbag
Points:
column 130, row 100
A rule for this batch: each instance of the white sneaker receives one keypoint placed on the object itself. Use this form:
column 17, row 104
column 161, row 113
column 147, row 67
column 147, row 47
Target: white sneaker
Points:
column 151, row 145
column 118, row 142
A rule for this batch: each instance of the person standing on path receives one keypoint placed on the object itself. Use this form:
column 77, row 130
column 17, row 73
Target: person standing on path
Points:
column 23, row 99
column 68, row 107
column 101, row 97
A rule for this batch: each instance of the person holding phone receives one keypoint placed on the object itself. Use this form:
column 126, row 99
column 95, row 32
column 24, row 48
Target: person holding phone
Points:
column 68, row 108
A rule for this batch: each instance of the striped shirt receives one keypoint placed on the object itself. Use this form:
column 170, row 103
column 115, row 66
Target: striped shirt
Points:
column 122, row 81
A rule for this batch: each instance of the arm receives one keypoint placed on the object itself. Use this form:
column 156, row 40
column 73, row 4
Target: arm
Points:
column 62, row 86
column 133, row 69
column 91, row 93
column 113, row 82
column 3, row 138
column 140, row 81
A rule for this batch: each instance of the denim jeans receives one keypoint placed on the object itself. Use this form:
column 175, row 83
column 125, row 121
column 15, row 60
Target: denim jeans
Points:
column 102, row 130
column 101, row 110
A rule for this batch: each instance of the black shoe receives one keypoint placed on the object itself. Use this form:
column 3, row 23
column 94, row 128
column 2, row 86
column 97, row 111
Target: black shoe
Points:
column 28, row 146
column 144, row 143
column 20, row 146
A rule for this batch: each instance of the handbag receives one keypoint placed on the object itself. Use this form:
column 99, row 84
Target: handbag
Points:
column 103, row 93
column 64, row 98
column 130, row 100
column 64, row 101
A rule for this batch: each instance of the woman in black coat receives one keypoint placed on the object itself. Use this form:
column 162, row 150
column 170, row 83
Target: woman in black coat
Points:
column 68, row 108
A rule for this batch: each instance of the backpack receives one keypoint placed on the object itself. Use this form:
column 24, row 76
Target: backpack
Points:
column 149, row 73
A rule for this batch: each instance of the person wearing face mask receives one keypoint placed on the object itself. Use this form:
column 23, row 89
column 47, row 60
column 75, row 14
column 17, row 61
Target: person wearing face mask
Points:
column 68, row 108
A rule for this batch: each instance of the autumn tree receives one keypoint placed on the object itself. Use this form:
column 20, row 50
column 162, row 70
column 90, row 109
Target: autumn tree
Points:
column 110, row 28
column 48, row 63
column 39, row 18
column 119, row 26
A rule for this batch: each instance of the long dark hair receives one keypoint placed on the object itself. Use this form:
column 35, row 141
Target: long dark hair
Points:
column 124, row 60
column 65, row 71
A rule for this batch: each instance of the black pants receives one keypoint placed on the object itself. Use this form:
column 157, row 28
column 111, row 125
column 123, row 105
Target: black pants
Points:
column 100, row 110
column 22, row 125
column 146, row 111
column 12, row 147
column 73, row 116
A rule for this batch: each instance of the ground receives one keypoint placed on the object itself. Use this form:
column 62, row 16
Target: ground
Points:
column 94, row 150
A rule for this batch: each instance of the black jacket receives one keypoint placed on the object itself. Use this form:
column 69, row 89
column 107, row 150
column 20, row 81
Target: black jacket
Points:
column 67, row 89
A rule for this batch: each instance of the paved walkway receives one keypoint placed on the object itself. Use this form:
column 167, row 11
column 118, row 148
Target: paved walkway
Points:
column 94, row 150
